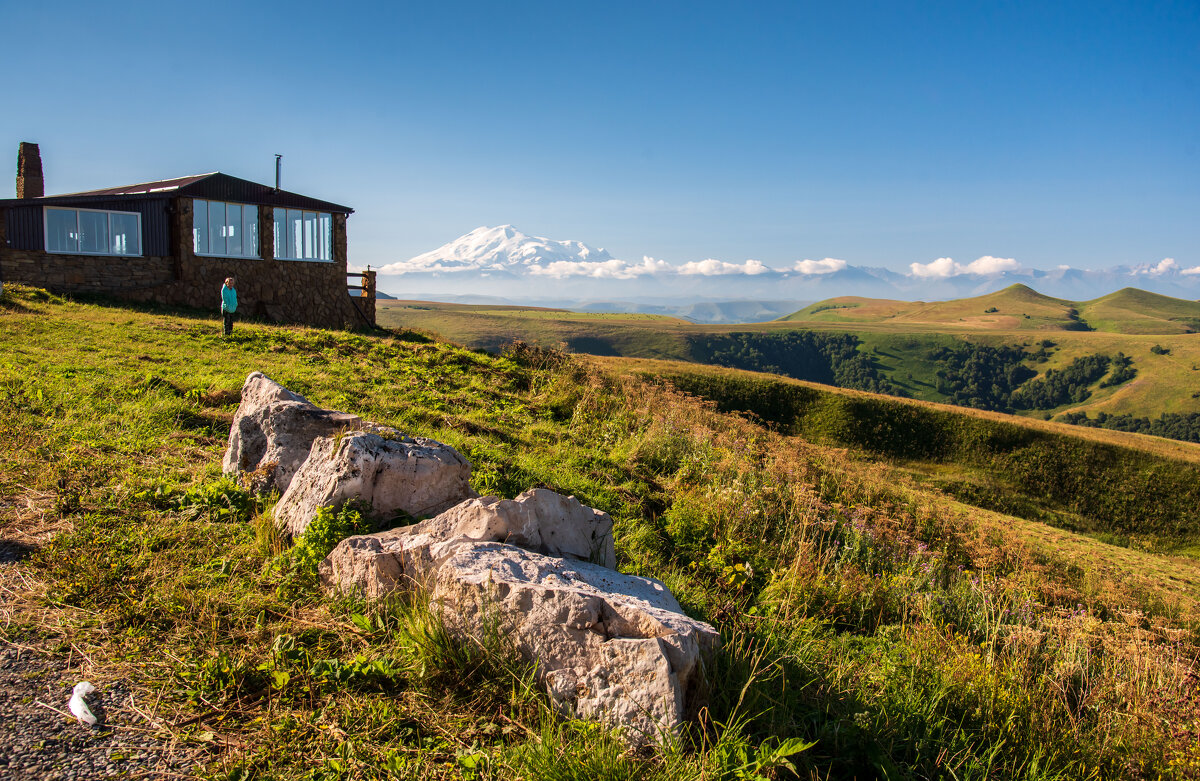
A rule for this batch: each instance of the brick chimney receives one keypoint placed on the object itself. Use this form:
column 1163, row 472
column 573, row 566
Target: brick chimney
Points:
column 30, row 183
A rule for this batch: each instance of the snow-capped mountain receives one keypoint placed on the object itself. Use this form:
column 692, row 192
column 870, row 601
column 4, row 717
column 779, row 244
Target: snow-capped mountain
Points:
column 498, row 249
column 503, row 261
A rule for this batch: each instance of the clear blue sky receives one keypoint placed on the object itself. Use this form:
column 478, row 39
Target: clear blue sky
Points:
column 880, row 133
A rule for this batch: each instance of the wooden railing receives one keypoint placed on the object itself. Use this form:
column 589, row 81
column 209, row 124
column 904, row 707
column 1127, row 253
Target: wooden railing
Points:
column 362, row 295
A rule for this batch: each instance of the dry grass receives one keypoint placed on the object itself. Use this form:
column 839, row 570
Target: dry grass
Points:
column 1167, row 448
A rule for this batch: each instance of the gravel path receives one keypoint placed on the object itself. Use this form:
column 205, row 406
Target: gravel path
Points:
column 39, row 743
column 39, row 739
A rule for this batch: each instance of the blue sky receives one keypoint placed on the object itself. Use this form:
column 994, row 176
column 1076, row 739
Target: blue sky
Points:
column 880, row 133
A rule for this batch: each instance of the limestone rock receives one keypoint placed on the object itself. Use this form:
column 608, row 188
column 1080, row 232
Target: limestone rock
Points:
column 539, row 520
column 391, row 472
column 608, row 646
column 273, row 430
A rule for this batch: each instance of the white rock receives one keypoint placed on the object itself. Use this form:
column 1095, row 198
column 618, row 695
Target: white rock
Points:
column 612, row 647
column 391, row 472
column 539, row 520
column 274, row 428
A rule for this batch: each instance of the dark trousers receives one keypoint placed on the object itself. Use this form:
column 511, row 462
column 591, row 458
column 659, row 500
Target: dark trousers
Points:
column 228, row 322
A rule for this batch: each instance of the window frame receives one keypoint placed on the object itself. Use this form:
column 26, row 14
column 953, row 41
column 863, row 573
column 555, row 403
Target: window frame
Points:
column 209, row 226
column 141, row 253
column 316, row 231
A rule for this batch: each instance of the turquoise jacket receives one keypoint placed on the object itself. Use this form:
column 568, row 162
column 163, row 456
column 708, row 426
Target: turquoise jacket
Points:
column 228, row 299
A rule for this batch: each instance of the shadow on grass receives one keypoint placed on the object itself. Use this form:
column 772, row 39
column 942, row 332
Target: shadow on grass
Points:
column 12, row 551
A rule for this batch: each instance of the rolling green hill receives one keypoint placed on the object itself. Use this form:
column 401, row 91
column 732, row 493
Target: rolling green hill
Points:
column 1133, row 311
column 855, row 555
column 1017, row 307
column 916, row 350
column 878, row 619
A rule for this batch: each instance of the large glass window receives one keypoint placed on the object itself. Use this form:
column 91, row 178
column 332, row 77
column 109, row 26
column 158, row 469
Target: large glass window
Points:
column 228, row 230
column 125, row 235
column 93, row 232
column 301, row 235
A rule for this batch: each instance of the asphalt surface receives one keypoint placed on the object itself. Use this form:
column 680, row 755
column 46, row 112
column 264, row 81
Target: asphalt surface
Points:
column 39, row 742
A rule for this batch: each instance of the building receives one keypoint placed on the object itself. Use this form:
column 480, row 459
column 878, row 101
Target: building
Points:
column 176, row 240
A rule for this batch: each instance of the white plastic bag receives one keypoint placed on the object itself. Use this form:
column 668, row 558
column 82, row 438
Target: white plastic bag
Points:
column 78, row 705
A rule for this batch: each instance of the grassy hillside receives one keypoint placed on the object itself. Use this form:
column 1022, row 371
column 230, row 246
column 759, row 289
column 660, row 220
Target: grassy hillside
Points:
column 1017, row 307
column 905, row 633
column 903, row 355
column 1133, row 311
column 492, row 327
column 1119, row 487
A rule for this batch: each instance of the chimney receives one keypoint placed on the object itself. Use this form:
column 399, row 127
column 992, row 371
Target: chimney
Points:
column 30, row 183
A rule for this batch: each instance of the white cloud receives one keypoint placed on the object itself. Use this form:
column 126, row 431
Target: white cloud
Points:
column 823, row 266
column 1192, row 270
column 408, row 266
column 943, row 268
column 606, row 269
column 991, row 265
column 1163, row 266
column 715, row 268
column 1063, row 267
column 940, row 268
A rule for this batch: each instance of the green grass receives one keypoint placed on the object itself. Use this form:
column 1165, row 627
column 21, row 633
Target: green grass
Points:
column 899, row 343
column 1133, row 311
column 1017, row 307
column 1120, row 492
column 901, row 632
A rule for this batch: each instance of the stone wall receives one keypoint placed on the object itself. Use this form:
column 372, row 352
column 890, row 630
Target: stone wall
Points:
column 307, row 292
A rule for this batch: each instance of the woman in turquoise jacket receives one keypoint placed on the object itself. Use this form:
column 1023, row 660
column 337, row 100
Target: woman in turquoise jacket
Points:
column 228, row 304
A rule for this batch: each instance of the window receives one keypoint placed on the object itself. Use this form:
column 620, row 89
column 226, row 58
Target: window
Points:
column 227, row 230
column 301, row 235
column 92, row 232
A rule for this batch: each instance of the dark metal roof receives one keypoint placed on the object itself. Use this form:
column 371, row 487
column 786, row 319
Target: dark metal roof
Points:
column 145, row 188
column 215, row 186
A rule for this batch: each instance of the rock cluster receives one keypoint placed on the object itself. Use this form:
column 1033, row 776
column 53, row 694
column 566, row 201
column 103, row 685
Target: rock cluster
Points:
column 612, row 647
column 319, row 457
column 536, row 573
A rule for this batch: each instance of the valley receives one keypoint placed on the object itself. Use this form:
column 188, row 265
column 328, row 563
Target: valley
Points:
column 901, row 348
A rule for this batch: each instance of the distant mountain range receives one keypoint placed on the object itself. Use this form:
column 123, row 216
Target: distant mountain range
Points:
column 505, row 262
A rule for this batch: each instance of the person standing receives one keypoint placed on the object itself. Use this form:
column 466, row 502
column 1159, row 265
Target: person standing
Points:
column 228, row 304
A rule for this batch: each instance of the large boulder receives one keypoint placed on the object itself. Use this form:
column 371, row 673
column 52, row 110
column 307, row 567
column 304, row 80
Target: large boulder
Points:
column 273, row 430
column 612, row 647
column 392, row 473
column 539, row 520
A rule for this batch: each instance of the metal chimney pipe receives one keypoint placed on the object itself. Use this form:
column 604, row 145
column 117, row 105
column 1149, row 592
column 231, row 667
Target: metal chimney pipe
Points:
column 278, row 170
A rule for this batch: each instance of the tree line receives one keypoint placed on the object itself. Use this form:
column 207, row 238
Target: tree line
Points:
column 1183, row 426
column 817, row 356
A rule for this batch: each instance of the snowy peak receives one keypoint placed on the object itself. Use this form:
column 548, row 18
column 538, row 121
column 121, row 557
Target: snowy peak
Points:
column 501, row 249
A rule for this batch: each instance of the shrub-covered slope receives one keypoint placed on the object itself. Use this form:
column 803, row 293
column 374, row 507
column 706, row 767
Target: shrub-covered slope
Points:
column 898, row 631
column 1118, row 492
column 947, row 359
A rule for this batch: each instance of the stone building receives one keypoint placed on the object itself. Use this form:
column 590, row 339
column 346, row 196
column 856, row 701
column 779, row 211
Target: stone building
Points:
column 176, row 240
